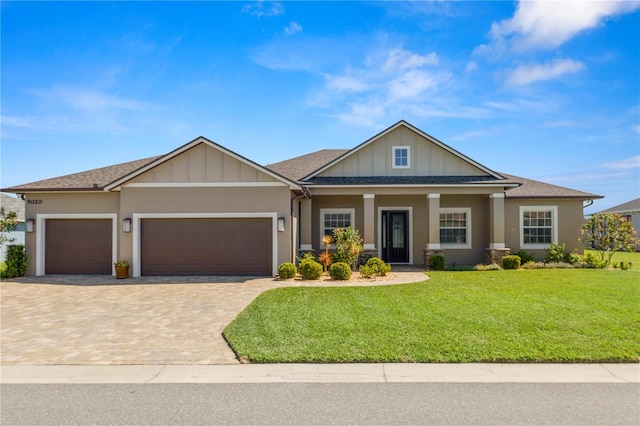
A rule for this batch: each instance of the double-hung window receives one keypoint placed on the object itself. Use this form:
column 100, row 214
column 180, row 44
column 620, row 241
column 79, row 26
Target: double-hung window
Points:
column 455, row 227
column 538, row 226
column 331, row 219
column 401, row 157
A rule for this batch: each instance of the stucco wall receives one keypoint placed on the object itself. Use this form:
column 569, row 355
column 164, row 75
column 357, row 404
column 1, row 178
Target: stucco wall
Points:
column 570, row 220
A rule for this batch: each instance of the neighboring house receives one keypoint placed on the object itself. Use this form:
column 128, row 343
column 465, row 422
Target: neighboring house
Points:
column 205, row 210
column 630, row 210
column 12, row 204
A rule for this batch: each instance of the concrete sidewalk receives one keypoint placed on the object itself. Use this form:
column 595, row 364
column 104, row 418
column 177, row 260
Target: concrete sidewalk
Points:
column 325, row 373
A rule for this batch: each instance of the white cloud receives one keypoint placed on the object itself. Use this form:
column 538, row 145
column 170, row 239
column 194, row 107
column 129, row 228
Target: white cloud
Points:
column 89, row 100
column 540, row 24
column 399, row 60
column 293, row 28
column 471, row 66
column 263, row 8
column 413, row 84
column 345, row 84
column 527, row 74
column 629, row 163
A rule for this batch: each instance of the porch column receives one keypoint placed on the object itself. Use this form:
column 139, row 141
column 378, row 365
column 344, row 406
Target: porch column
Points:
column 305, row 225
column 496, row 221
column 369, row 221
column 433, row 217
column 497, row 247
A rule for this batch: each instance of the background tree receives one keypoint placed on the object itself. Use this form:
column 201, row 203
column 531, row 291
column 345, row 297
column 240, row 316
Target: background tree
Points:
column 8, row 223
column 608, row 233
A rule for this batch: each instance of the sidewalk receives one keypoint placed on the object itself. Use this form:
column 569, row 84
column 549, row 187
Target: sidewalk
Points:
column 325, row 373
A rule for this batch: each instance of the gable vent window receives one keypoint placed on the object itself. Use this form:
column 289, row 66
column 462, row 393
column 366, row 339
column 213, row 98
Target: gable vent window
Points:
column 401, row 157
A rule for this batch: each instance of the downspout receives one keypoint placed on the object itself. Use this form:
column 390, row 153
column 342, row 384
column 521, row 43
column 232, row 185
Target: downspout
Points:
column 305, row 194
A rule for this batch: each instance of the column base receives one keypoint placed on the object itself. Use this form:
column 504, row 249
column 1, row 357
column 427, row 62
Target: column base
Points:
column 496, row 255
column 427, row 253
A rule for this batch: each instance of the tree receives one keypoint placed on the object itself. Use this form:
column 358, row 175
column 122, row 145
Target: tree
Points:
column 8, row 223
column 608, row 233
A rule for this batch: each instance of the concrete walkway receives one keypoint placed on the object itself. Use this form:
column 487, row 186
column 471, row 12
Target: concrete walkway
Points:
column 326, row 373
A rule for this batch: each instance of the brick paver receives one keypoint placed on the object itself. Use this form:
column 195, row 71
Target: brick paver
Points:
column 64, row 320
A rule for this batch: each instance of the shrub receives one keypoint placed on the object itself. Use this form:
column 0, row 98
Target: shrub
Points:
column 525, row 257
column 557, row 253
column 340, row 271
column 307, row 256
column 491, row 267
column 593, row 261
column 511, row 262
column 374, row 267
column 16, row 261
column 310, row 270
column 348, row 245
column 287, row 270
column 436, row 262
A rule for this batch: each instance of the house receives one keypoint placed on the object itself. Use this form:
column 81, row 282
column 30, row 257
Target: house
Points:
column 16, row 205
column 205, row 210
column 630, row 210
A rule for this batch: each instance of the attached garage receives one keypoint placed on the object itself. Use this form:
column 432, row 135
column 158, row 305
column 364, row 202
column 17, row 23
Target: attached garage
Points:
column 78, row 246
column 206, row 246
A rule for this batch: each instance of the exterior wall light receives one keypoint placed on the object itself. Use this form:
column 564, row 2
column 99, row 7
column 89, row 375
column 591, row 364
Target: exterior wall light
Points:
column 126, row 225
column 281, row 224
column 30, row 225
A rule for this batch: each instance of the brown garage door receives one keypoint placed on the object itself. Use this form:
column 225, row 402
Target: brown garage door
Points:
column 78, row 246
column 206, row 247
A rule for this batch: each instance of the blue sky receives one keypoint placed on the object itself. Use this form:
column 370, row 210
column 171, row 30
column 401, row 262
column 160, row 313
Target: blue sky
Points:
column 544, row 90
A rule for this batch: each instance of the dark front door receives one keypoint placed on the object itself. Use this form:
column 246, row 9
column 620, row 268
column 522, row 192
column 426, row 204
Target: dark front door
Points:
column 395, row 236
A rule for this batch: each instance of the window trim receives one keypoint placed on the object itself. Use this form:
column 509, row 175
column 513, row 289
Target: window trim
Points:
column 393, row 157
column 351, row 211
column 554, row 225
column 467, row 212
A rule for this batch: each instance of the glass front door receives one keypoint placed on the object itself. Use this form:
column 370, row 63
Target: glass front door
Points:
column 395, row 236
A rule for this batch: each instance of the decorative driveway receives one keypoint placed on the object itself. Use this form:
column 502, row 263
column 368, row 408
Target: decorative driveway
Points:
column 64, row 320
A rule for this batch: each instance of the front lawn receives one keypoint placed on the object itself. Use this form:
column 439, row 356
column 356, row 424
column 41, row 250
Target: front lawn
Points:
column 576, row 315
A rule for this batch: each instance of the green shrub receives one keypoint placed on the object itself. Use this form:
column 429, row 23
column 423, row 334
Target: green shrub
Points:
column 491, row 267
column 310, row 270
column 593, row 261
column 375, row 266
column 525, row 257
column 287, row 270
column 348, row 245
column 511, row 262
column 307, row 256
column 436, row 262
column 340, row 271
column 557, row 253
column 16, row 261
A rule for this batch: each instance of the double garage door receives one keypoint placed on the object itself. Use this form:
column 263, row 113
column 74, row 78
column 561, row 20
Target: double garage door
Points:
column 167, row 246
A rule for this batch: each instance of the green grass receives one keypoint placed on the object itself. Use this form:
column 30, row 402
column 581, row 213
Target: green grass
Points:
column 620, row 256
column 577, row 315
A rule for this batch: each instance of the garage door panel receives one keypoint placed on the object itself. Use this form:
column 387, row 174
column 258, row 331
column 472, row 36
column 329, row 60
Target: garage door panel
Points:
column 206, row 246
column 78, row 246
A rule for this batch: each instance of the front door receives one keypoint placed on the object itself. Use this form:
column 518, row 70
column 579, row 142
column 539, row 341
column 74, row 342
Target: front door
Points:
column 395, row 236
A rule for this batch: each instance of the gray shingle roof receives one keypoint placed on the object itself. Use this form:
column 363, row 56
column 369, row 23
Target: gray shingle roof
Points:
column 91, row 180
column 628, row 207
column 299, row 167
column 403, row 180
column 530, row 188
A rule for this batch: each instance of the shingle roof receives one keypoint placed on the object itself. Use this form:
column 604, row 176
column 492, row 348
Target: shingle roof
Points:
column 91, row 180
column 403, row 180
column 299, row 167
column 13, row 204
column 628, row 207
column 530, row 188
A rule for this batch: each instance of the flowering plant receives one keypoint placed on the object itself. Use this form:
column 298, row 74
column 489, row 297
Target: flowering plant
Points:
column 348, row 245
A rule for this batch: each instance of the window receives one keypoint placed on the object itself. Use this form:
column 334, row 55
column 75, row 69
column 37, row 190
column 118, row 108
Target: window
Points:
column 455, row 227
column 331, row 219
column 401, row 157
column 538, row 226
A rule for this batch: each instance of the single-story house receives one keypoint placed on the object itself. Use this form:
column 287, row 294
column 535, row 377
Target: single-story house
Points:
column 16, row 205
column 631, row 211
column 203, row 209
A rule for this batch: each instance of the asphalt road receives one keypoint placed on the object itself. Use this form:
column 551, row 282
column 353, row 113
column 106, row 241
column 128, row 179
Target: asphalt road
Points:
column 321, row 404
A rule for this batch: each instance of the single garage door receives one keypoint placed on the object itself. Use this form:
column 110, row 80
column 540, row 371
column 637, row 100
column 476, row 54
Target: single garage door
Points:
column 206, row 246
column 78, row 246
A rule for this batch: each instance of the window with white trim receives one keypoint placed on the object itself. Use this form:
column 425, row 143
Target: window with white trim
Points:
column 455, row 227
column 538, row 226
column 331, row 219
column 401, row 157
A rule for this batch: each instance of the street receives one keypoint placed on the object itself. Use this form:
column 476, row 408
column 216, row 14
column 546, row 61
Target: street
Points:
column 322, row 404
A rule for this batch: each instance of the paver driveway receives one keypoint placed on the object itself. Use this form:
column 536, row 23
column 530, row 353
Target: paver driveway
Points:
column 103, row 321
